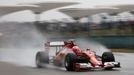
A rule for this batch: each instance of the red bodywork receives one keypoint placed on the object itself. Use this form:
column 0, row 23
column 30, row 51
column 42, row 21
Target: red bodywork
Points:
column 85, row 53
column 63, row 48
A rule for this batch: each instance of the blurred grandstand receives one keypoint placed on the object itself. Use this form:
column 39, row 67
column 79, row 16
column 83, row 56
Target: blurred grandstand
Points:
column 105, row 25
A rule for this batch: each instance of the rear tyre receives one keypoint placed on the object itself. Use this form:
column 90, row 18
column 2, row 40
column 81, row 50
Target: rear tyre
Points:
column 69, row 61
column 41, row 59
column 108, row 57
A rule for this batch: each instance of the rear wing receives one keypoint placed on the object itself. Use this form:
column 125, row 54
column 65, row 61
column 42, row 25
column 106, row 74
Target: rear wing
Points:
column 55, row 44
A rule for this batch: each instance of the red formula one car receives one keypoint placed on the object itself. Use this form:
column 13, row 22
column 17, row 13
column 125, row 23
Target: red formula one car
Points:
column 69, row 55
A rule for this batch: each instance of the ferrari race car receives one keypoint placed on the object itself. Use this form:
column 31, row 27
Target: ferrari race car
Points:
column 69, row 55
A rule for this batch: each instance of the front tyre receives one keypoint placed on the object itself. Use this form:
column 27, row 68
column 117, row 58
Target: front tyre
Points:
column 69, row 61
column 108, row 57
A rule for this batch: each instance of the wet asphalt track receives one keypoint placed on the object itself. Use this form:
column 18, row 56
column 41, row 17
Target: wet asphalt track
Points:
column 11, row 67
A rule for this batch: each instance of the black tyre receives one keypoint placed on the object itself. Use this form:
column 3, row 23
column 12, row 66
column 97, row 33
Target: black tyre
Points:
column 108, row 57
column 69, row 61
column 41, row 59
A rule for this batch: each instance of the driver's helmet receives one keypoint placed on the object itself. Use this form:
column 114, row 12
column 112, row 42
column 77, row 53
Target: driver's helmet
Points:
column 88, row 49
column 71, row 41
column 75, row 48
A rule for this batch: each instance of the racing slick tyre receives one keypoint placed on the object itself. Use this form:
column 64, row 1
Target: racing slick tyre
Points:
column 69, row 61
column 41, row 59
column 108, row 57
